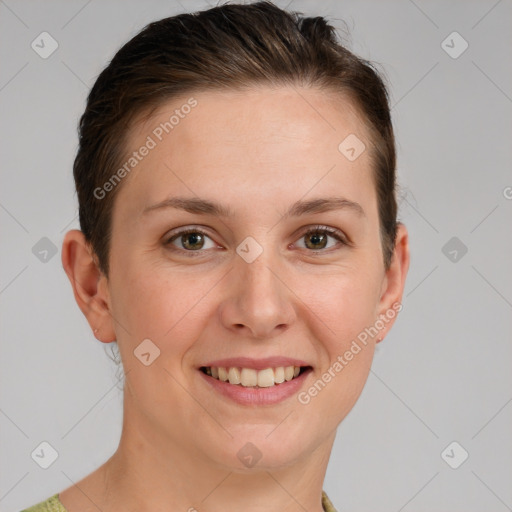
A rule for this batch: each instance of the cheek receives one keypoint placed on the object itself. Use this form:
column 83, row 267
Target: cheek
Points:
column 159, row 305
column 152, row 302
column 346, row 311
column 346, row 306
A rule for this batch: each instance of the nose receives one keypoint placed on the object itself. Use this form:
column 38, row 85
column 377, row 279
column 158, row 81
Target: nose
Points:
column 259, row 303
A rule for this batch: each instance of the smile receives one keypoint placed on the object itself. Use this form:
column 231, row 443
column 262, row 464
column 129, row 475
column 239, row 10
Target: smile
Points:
column 251, row 378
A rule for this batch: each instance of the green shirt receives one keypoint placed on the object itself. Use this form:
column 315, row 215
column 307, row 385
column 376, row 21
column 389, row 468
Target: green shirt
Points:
column 53, row 504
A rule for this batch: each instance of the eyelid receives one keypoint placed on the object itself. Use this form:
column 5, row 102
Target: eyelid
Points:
column 336, row 233
column 168, row 237
column 332, row 232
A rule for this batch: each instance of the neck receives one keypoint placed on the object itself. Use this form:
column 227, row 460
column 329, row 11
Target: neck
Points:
column 155, row 472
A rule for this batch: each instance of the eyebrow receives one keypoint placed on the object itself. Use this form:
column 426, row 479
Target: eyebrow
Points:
column 205, row 207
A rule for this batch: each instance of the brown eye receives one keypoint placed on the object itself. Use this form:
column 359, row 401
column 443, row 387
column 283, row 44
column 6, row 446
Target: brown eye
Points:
column 317, row 238
column 189, row 240
column 192, row 241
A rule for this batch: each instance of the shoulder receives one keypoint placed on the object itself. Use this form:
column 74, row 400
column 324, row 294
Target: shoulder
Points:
column 52, row 504
column 327, row 504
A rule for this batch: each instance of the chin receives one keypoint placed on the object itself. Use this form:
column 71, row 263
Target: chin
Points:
column 252, row 450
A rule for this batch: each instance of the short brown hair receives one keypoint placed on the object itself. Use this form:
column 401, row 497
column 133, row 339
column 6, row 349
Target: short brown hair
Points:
column 232, row 46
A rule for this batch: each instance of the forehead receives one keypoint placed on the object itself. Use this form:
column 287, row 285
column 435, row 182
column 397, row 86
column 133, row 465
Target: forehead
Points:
column 251, row 115
column 263, row 141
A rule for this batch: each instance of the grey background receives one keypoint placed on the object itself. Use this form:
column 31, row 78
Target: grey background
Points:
column 444, row 372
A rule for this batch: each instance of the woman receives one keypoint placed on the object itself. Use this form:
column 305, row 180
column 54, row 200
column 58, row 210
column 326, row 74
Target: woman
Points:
column 239, row 242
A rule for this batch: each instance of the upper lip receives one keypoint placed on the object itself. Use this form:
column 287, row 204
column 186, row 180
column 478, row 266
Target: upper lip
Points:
column 256, row 364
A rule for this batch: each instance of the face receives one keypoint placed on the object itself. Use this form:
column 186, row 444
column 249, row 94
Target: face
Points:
column 279, row 277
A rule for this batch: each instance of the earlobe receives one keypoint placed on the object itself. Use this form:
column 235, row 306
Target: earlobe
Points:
column 89, row 284
column 394, row 281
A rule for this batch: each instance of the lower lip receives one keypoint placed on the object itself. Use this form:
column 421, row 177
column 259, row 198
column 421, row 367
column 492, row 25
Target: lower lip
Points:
column 257, row 396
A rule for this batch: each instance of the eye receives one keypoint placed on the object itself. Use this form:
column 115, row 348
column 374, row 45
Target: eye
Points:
column 189, row 240
column 317, row 237
column 192, row 240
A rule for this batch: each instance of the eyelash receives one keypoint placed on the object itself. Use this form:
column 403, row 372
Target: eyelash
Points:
column 334, row 233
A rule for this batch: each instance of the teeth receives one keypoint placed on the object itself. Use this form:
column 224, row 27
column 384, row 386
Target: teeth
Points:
column 248, row 377
column 266, row 378
column 234, row 376
column 288, row 373
column 279, row 375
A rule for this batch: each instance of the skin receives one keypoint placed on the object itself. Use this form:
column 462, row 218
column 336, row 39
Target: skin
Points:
column 257, row 152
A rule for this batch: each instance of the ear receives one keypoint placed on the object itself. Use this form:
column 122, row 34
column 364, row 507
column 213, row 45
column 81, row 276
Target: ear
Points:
column 90, row 285
column 393, row 284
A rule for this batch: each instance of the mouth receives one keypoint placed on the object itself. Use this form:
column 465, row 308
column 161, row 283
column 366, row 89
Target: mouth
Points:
column 270, row 377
